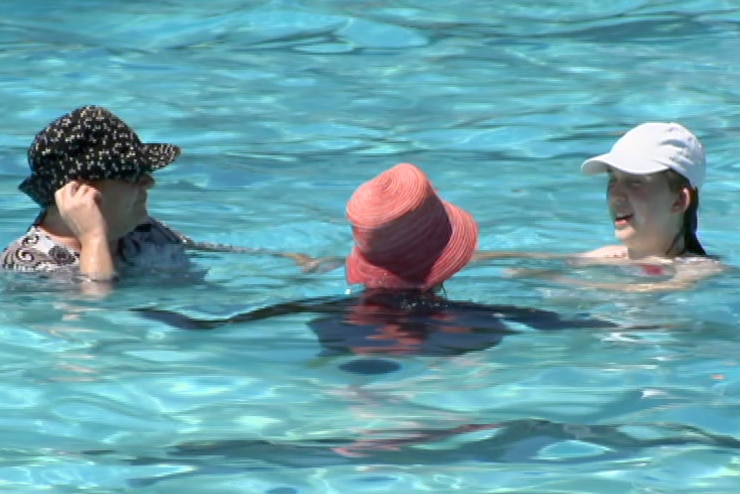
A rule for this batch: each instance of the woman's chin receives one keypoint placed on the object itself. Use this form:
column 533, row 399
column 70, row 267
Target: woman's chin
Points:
column 131, row 225
column 625, row 235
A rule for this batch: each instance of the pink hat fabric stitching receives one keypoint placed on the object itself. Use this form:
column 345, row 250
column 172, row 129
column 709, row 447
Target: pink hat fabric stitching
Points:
column 406, row 236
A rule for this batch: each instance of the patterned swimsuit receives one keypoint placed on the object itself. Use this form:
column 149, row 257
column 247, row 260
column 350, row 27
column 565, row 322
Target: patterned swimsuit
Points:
column 151, row 245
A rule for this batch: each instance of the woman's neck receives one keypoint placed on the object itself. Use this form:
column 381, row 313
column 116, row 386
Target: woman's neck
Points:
column 675, row 248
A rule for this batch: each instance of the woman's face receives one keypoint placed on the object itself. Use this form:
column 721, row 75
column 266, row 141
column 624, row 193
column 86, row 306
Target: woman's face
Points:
column 647, row 214
column 123, row 203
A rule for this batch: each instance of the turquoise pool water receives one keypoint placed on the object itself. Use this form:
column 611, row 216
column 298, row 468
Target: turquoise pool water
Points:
column 282, row 109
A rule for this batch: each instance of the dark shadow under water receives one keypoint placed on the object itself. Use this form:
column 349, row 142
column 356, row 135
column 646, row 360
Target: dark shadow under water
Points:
column 374, row 324
column 377, row 323
column 515, row 441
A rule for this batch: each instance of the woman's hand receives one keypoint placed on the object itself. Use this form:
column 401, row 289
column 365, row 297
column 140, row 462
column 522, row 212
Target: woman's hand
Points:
column 79, row 208
column 310, row 264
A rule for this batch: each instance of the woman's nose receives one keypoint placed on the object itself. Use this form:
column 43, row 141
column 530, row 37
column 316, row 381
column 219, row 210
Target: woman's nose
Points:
column 615, row 194
column 616, row 187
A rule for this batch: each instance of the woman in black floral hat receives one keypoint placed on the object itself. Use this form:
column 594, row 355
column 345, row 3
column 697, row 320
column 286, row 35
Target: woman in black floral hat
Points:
column 90, row 173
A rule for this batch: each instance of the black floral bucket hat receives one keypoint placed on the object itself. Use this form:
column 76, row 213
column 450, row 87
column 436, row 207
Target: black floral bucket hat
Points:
column 89, row 143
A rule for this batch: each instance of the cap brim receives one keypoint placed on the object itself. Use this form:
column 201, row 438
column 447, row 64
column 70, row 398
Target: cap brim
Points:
column 628, row 163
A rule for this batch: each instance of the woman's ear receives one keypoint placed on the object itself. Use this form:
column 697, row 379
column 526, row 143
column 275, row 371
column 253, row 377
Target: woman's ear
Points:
column 683, row 201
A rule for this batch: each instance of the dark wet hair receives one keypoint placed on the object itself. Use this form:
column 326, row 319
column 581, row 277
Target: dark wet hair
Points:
column 691, row 244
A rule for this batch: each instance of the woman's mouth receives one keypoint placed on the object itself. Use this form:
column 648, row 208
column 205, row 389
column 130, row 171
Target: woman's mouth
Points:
column 621, row 220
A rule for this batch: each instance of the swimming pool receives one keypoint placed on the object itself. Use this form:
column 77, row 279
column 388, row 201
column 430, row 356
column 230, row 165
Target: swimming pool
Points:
column 282, row 109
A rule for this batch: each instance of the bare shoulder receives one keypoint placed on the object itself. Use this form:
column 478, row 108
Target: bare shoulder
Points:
column 699, row 266
column 608, row 251
column 158, row 231
column 483, row 255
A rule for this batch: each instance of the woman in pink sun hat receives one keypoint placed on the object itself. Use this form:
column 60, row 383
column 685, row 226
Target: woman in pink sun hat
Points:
column 407, row 242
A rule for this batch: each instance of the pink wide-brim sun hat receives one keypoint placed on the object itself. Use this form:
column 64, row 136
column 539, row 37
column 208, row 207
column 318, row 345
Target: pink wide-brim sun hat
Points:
column 406, row 236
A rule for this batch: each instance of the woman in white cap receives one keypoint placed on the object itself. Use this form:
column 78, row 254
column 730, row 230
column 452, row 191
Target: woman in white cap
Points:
column 655, row 171
column 654, row 174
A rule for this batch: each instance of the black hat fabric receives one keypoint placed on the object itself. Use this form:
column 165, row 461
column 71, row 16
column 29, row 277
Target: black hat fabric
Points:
column 89, row 143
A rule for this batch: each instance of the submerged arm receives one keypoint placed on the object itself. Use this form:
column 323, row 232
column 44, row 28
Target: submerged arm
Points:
column 685, row 277
column 483, row 255
column 183, row 321
column 307, row 263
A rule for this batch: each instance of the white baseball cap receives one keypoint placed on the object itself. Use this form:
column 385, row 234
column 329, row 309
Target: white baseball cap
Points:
column 654, row 147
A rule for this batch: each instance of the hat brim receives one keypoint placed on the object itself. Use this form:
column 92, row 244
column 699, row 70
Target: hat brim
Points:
column 33, row 186
column 456, row 254
column 155, row 156
column 147, row 158
column 628, row 163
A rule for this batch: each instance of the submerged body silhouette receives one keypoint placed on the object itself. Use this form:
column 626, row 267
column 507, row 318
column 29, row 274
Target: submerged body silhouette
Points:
column 378, row 322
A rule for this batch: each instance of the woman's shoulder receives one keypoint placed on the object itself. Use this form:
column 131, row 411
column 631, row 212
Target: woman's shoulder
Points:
column 36, row 251
column 153, row 231
column 703, row 259
column 699, row 266
column 153, row 244
column 610, row 251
